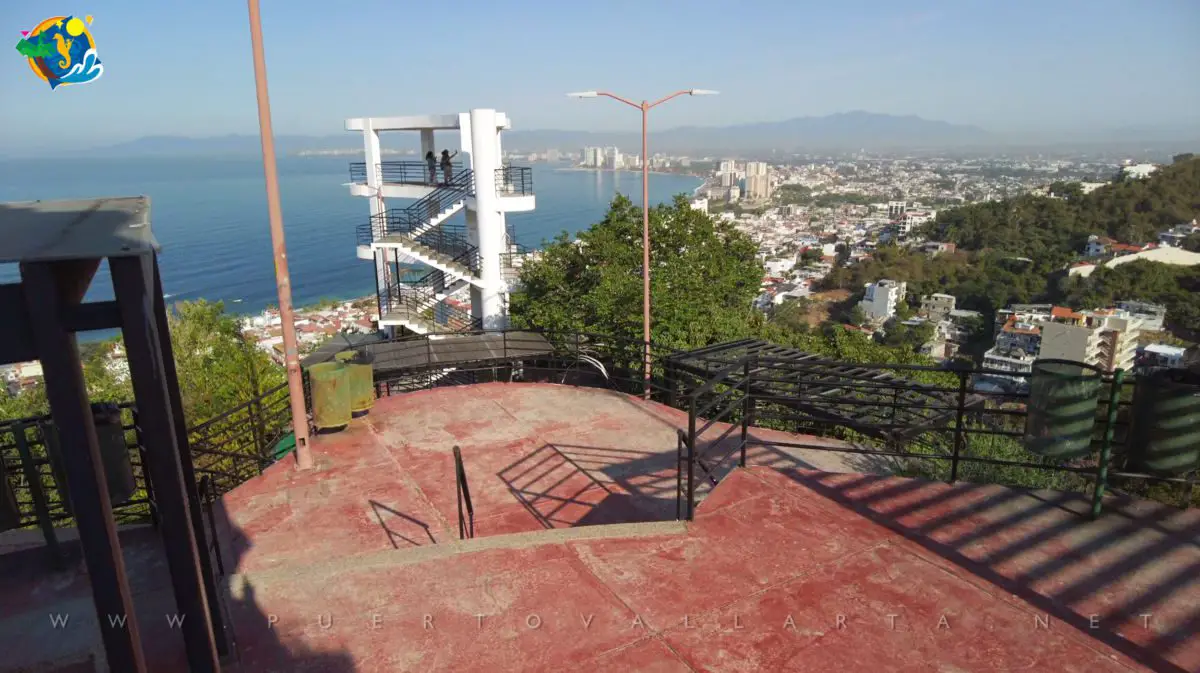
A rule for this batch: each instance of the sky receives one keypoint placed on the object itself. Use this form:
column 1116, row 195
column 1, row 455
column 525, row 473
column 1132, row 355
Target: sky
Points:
column 183, row 67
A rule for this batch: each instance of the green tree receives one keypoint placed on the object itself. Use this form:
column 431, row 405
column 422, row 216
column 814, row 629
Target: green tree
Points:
column 1192, row 243
column 218, row 368
column 704, row 276
column 792, row 315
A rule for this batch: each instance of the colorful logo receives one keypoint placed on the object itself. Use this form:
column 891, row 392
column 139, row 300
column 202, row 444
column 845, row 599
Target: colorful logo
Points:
column 61, row 51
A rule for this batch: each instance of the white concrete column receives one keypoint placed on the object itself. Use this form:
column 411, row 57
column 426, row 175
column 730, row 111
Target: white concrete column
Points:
column 485, row 157
column 372, row 158
column 464, row 138
column 473, row 239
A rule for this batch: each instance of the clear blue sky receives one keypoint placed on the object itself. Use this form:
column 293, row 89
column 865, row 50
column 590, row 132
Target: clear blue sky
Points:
column 1011, row 66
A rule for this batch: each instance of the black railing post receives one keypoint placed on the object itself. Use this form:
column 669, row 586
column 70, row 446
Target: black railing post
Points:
column 40, row 506
column 678, row 474
column 141, row 445
column 691, row 482
column 959, row 429
column 747, row 410
column 1114, row 400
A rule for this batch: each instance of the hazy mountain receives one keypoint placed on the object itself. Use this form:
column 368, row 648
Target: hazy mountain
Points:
column 848, row 130
column 842, row 131
column 231, row 145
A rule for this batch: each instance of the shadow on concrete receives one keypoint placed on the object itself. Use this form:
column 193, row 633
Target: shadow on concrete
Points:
column 255, row 642
column 380, row 510
column 1150, row 553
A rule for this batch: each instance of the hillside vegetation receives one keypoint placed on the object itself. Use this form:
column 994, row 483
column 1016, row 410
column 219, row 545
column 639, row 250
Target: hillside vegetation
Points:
column 1039, row 227
column 1017, row 250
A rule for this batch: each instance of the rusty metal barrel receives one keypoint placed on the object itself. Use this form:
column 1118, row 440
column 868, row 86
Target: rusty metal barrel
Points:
column 360, row 374
column 330, row 391
column 114, row 455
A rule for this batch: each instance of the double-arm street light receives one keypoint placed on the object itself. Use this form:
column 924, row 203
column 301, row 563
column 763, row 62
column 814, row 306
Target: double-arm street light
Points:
column 645, row 107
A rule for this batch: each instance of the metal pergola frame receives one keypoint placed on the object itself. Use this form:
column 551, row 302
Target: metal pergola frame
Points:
column 59, row 246
column 889, row 407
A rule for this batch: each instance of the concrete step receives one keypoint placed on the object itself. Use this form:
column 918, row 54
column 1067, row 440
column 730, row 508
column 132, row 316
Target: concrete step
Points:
column 328, row 571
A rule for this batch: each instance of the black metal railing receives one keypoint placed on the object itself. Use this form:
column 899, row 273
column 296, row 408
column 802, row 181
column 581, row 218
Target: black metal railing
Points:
column 421, row 300
column 240, row 443
column 226, row 451
column 466, row 511
column 401, row 172
column 913, row 420
column 41, row 500
column 514, row 181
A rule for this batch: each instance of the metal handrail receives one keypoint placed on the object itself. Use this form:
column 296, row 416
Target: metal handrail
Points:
column 399, row 172
column 466, row 525
column 514, row 181
column 416, row 216
column 420, row 298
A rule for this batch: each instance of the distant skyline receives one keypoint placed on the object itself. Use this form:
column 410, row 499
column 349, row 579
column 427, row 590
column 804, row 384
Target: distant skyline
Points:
column 1017, row 69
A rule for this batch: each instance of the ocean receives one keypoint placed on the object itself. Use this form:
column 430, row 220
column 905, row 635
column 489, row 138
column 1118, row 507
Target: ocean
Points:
column 210, row 216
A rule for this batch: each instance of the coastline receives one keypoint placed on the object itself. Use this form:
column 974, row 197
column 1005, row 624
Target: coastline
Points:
column 581, row 169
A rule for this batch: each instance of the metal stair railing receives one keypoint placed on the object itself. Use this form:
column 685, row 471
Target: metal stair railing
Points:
column 416, row 216
column 419, row 299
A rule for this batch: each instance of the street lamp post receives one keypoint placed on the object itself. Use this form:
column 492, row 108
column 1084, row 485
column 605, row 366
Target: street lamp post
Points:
column 645, row 107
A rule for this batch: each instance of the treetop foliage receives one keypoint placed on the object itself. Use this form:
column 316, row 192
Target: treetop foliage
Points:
column 704, row 276
column 1055, row 229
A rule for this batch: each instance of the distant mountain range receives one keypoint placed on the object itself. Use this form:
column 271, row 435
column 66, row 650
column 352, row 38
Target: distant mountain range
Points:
column 842, row 131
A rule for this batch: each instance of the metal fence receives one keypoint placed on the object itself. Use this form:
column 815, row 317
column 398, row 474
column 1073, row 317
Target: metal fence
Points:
column 227, row 450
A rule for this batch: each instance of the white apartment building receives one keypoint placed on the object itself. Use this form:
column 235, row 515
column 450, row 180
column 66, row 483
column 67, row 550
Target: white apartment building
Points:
column 758, row 187
column 1107, row 341
column 613, row 159
column 473, row 259
column 879, row 301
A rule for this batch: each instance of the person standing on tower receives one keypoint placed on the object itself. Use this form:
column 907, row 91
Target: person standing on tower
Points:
column 431, row 162
column 447, row 167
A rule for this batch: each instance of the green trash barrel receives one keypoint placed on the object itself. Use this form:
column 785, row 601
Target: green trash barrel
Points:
column 360, row 371
column 330, row 395
column 114, row 455
column 1165, row 435
column 1063, row 399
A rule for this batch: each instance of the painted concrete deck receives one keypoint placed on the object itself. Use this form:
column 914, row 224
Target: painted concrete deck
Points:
column 355, row 566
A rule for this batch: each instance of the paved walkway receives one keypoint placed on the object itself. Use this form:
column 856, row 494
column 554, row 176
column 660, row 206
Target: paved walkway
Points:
column 356, row 565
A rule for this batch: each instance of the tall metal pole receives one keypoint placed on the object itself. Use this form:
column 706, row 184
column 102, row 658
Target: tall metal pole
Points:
column 282, row 279
column 645, row 253
column 645, row 107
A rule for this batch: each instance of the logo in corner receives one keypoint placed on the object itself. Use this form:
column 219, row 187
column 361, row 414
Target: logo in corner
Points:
column 61, row 51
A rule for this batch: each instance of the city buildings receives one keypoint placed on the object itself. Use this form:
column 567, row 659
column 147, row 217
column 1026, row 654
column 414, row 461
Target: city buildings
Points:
column 1104, row 338
column 465, row 282
column 1156, row 356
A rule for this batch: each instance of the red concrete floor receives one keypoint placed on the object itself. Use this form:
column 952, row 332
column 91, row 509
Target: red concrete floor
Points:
column 356, row 565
